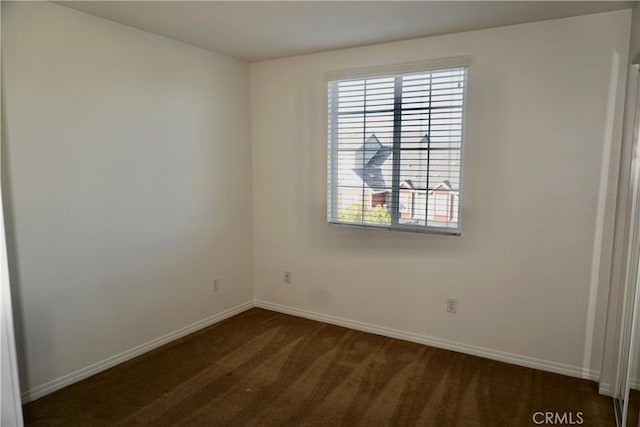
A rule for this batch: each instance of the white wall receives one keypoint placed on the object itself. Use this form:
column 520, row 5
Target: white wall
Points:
column 129, row 185
column 536, row 115
column 634, row 48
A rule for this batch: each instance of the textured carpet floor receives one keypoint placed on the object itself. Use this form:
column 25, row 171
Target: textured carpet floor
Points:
column 262, row 368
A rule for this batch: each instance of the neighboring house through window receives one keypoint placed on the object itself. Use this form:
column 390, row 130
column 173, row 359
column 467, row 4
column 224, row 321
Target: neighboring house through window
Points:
column 395, row 146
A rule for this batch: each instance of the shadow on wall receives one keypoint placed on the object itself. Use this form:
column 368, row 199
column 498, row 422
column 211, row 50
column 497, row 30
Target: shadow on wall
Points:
column 12, row 256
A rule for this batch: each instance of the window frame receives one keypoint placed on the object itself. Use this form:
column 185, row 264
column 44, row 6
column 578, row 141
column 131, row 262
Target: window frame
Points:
column 397, row 71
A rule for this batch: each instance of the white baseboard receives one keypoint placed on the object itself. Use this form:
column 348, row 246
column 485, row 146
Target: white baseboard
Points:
column 110, row 362
column 605, row 389
column 515, row 359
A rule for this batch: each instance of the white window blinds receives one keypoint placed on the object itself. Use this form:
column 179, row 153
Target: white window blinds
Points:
column 395, row 147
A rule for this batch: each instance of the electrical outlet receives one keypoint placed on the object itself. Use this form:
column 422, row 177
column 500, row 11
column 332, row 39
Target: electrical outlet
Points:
column 287, row 277
column 452, row 305
column 215, row 284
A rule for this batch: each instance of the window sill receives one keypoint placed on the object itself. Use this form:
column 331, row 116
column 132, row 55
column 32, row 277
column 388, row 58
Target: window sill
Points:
column 425, row 230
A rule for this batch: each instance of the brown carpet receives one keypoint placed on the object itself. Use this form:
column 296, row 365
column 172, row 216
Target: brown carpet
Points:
column 634, row 408
column 262, row 368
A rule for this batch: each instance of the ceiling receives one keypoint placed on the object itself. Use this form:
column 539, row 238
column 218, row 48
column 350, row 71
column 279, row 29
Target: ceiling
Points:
column 255, row 31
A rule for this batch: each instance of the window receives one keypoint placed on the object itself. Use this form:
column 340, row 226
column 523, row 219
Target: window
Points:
column 395, row 146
